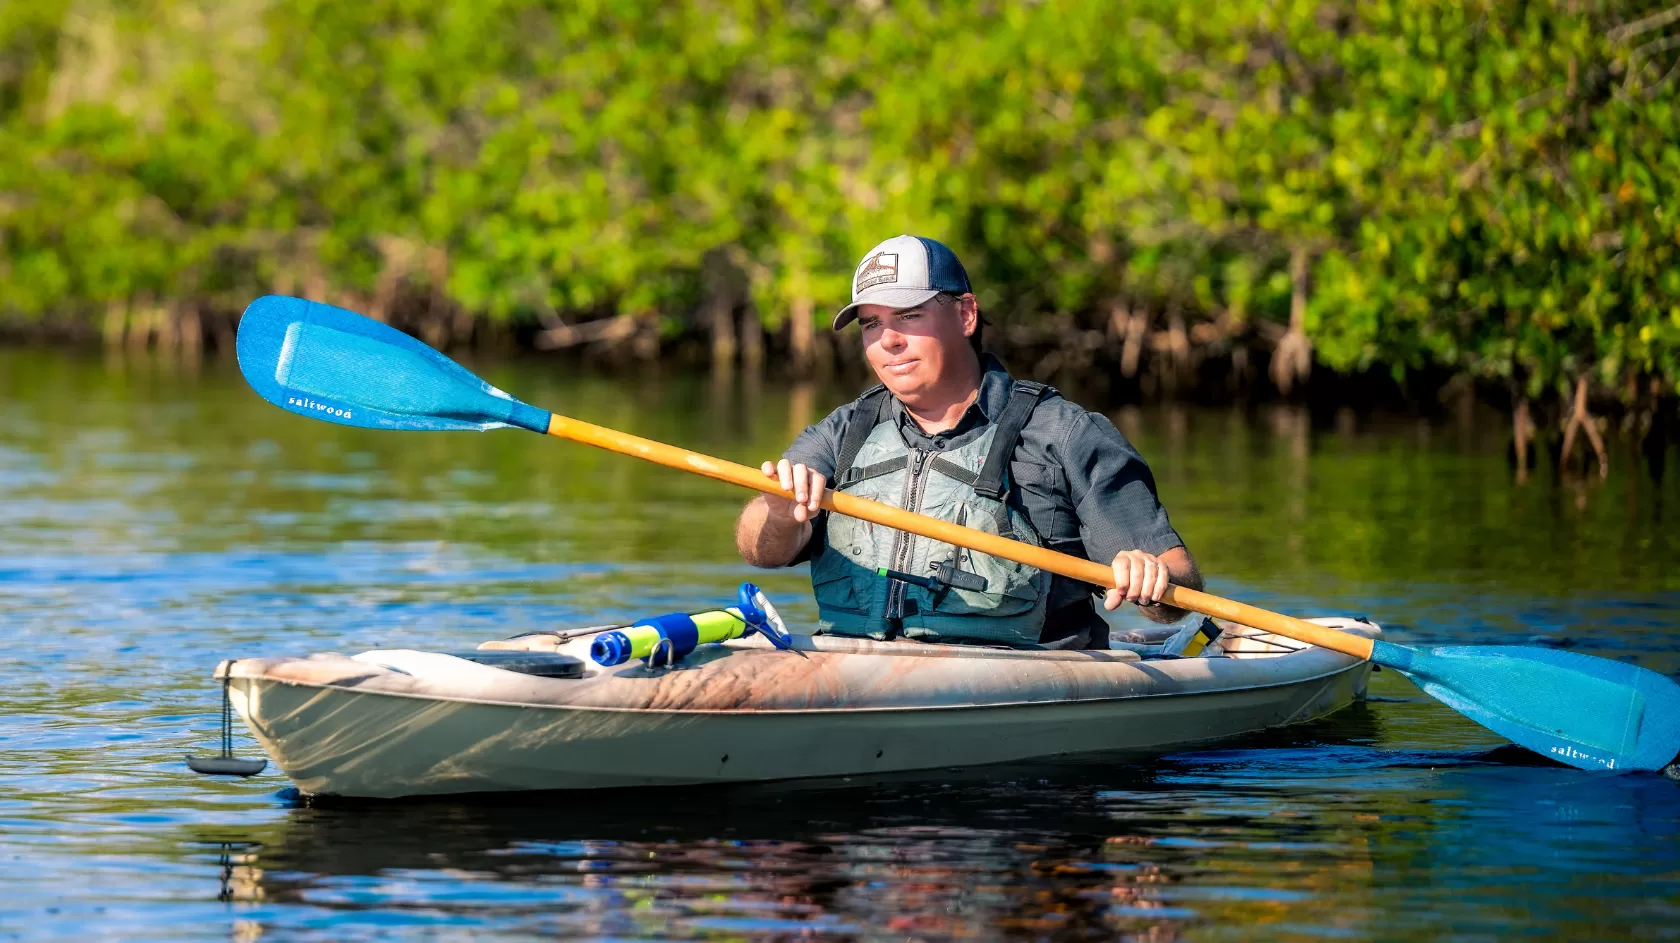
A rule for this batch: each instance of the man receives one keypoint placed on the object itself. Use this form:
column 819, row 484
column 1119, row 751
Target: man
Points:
column 949, row 434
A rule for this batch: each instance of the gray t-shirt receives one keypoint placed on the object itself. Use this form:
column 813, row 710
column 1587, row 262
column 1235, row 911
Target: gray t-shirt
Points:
column 1082, row 485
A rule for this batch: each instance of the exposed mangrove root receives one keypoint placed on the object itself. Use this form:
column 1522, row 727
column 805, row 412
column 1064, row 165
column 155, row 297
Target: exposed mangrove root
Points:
column 1522, row 431
column 1580, row 419
column 1181, row 362
column 1132, row 351
column 723, row 284
column 1292, row 361
column 1132, row 328
column 801, row 334
column 140, row 324
column 752, row 340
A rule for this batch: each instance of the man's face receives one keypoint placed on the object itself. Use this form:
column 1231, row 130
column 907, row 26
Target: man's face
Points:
column 912, row 348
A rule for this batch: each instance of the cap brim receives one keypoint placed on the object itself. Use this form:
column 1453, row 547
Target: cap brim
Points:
column 896, row 298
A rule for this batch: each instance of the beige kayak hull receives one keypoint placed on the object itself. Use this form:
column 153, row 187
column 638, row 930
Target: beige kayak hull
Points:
column 391, row 724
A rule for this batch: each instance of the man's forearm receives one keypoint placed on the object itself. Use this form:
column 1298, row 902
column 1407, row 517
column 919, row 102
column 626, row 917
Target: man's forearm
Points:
column 767, row 541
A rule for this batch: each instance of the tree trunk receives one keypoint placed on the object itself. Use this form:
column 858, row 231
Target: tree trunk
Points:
column 1178, row 347
column 1292, row 360
column 822, row 350
column 116, row 323
column 398, row 263
column 1137, row 325
column 718, row 311
column 800, row 331
column 314, row 283
column 164, row 326
column 140, row 315
column 752, row 339
column 1118, row 318
column 723, row 333
column 439, row 331
column 1522, row 428
column 801, row 400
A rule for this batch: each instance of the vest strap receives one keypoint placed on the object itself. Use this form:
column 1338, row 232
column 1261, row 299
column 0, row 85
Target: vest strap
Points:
column 1022, row 399
column 873, row 407
column 954, row 471
column 855, row 475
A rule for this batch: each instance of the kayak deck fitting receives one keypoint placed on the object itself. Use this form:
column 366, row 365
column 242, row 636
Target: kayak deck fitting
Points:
column 392, row 723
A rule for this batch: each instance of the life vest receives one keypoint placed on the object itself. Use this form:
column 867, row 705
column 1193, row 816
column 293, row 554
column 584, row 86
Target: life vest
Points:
column 949, row 593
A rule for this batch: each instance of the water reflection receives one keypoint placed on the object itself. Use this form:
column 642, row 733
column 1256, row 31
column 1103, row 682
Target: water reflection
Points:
column 156, row 517
column 1319, row 831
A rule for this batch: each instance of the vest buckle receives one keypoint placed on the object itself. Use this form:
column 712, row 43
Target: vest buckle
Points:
column 945, row 576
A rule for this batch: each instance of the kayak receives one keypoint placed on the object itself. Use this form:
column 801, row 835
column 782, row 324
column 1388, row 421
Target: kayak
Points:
column 537, row 713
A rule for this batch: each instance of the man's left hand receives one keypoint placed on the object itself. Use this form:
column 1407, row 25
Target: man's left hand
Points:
column 1139, row 578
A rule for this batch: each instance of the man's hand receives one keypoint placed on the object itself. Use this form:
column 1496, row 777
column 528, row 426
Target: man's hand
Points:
column 1139, row 578
column 807, row 486
column 1143, row 578
column 772, row 529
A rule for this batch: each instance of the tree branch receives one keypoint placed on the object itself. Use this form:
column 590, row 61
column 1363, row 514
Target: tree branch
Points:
column 1655, row 46
column 607, row 330
column 1663, row 82
column 1473, row 127
column 1649, row 23
column 1640, row 58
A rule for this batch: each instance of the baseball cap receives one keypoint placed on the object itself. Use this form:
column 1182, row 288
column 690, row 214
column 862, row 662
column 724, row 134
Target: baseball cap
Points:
column 901, row 273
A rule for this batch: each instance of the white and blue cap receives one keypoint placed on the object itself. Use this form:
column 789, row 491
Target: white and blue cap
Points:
column 902, row 273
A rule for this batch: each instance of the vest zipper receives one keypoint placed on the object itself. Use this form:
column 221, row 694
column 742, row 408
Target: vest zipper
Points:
column 913, row 489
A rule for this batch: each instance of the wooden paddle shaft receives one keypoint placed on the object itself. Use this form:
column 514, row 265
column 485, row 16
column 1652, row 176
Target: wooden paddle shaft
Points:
column 1042, row 558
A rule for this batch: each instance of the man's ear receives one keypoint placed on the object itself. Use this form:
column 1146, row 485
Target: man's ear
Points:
column 970, row 309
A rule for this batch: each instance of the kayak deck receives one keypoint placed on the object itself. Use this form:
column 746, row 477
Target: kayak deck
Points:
column 398, row 723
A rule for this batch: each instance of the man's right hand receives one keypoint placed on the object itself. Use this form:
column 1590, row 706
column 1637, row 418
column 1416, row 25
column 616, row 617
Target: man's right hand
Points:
column 807, row 486
column 772, row 530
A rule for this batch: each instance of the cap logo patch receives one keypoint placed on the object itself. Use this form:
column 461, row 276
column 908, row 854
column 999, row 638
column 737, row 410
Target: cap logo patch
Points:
column 880, row 269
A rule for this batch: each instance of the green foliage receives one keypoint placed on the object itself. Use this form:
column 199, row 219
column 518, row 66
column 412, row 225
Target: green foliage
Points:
column 1483, row 187
column 1521, row 221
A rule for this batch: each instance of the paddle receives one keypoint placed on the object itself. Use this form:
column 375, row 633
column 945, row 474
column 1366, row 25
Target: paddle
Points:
column 332, row 364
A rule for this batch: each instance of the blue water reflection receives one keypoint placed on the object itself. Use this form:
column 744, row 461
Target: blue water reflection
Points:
column 152, row 523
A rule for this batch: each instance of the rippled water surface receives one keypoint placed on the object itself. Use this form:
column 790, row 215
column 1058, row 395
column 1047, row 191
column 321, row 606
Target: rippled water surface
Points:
column 155, row 519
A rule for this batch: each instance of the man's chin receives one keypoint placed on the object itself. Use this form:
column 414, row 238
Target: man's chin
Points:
column 906, row 388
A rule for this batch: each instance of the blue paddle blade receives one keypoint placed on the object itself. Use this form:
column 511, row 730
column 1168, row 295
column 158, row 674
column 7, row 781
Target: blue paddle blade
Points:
column 328, row 363
column 1589, row 712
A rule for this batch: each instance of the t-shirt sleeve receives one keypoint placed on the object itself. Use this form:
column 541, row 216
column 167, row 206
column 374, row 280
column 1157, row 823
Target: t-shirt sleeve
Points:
column 818, row 447
column 1113, row 492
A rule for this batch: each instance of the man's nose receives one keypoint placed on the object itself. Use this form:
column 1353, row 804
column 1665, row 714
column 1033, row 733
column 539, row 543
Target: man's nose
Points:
column 891, row 337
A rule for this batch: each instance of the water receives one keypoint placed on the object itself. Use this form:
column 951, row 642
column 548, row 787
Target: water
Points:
column 156, row 518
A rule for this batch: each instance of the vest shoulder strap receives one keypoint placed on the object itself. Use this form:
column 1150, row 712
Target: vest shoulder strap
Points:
column 872, row 407
column 1023, row 398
